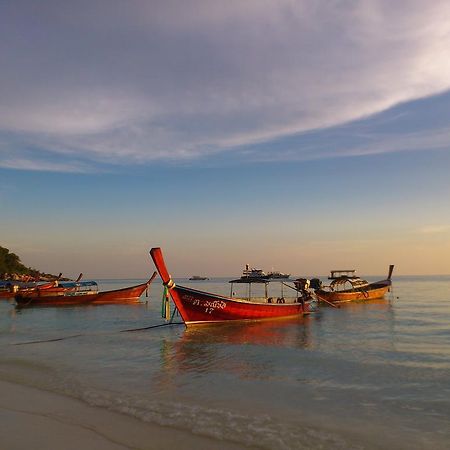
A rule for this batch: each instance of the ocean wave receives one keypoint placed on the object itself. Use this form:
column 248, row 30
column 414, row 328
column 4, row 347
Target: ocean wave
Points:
column 261, row 431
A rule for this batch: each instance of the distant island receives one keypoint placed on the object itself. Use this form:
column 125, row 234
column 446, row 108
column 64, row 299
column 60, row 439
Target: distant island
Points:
column 11, row 268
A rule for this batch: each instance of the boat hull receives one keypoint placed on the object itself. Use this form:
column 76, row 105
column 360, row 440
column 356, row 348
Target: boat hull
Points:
column 7, row 294
column 68, row 298
column 371, row 292
column 199, row 307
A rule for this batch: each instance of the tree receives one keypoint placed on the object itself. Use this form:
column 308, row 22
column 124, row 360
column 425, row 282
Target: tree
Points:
column 10, row 263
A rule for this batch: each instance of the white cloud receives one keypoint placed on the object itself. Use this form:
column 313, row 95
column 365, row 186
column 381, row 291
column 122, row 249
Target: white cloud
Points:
column 181, row 79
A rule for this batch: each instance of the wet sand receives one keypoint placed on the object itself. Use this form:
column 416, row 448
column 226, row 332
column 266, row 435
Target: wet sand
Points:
column 32, row 418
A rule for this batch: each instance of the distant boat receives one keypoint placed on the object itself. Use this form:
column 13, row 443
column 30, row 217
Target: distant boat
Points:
column 198, row 278
column 278, row 275
column 80, row 293
column 347, row 287
column 199, row 307
column 250, row 273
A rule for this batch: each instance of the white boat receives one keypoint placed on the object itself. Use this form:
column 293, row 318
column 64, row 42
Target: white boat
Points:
column 277, row 275
column 252, row 273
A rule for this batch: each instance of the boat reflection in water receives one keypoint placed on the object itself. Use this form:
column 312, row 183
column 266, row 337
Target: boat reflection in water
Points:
column 289, row 332
column 230, row 348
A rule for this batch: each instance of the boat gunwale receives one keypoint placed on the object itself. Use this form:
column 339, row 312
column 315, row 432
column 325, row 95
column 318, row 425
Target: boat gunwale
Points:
column 231, row 299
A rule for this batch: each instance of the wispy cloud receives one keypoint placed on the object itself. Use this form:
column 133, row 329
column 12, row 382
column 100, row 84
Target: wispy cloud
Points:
column 435, row 229
column 183, row 79
column 47, row 166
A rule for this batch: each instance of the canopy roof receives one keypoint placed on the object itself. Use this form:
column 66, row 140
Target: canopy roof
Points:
column 355, row 282
column 338, row 273
column 251, row 280
column 74, row 284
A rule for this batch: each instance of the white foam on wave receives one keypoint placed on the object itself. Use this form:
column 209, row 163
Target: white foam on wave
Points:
column 263, row 431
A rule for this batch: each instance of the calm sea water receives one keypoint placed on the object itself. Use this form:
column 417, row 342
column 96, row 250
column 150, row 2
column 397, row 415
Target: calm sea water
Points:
column 365, row 376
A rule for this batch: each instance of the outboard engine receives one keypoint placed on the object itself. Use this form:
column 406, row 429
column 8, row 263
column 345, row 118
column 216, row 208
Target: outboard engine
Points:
column 301, row 284
column 315, row 284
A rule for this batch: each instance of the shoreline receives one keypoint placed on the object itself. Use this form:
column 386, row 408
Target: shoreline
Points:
column 38, row 419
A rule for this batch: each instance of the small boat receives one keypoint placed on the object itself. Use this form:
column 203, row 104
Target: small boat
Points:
column 347, row 287
column 80, row 293
column 198, row 278
column 199, row 307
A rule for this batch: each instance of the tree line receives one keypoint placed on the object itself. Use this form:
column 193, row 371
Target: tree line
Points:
column 10, row 265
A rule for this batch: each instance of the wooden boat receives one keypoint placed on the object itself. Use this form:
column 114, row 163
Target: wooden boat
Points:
column 199, row 307
column 351, row 288
column 81, row 293
column 11, row 289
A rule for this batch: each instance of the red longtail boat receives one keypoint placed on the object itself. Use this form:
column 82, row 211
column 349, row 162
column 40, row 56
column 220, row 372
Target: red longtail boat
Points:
column 9, row 289
column 81, row 293
column 199, row 307
column 349, row 288
column 14, row 289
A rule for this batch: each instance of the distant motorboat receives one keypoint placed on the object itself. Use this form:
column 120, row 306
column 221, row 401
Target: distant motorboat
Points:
column 250, row 273
column 198, row 278
column 275, row 274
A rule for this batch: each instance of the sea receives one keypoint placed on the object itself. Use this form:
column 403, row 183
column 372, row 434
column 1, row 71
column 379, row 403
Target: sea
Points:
column 371, row 375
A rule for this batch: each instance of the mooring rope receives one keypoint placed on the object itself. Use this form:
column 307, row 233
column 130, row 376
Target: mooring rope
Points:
column 150, row 327
column 47, row 340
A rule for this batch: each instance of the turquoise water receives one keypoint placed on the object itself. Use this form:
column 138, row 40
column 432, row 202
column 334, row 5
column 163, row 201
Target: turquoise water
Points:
column 365, row 376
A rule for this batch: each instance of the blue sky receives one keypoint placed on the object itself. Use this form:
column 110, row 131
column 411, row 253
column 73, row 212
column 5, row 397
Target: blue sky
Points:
column 302, row 136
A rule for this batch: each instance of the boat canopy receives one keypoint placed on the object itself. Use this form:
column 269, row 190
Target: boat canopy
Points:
column 356, row 283
column 251, row 280
column 77, row 284
column 347, row 273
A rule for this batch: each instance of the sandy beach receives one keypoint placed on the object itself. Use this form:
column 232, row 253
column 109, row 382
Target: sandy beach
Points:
column 32, row 418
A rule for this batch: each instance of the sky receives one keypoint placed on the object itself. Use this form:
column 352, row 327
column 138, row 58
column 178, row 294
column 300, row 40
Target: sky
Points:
column 300, row 136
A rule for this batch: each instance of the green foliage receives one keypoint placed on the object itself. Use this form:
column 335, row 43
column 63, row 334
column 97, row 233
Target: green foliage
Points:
column 10, row 263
